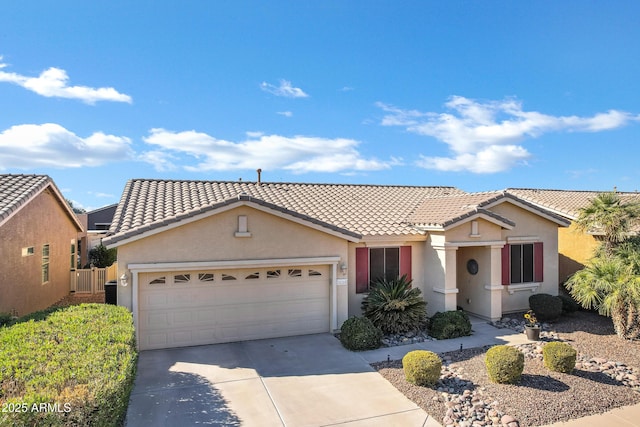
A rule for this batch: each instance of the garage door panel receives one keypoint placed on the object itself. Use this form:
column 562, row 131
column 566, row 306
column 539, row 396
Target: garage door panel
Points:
column 214, row 311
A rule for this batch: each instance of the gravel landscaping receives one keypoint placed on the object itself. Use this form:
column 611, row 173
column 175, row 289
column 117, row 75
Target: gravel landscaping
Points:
column 607, row 376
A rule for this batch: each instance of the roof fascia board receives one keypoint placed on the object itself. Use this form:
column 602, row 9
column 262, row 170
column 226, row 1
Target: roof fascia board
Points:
column 244, row 263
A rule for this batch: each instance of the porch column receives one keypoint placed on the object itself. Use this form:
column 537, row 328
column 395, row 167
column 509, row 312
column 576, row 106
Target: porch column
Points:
column 450, row 278
column 448, row 259
column 495, row 285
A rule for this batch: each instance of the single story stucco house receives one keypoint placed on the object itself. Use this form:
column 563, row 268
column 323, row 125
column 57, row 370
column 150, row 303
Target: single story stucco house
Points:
column 204, row 262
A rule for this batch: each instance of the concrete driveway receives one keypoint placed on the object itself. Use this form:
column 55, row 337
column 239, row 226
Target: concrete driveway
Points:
column 298, row 381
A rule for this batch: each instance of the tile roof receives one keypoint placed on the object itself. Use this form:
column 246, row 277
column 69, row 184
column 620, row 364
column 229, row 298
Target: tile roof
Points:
column 357, row 210
column 442, row 211
column 564, row 202
column 17, row 190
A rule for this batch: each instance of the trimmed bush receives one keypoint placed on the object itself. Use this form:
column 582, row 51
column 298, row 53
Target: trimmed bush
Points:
column 78, row 363
column 547, row 307
column 504, row 364
column 359, row 333
column 569, row 305
column 394, row 307
column 5, row 318
column 559, row 357
column 422, row 367
column 450, row 324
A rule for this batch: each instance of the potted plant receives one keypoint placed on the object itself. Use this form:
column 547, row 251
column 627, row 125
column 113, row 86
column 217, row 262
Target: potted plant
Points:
column 532, row 327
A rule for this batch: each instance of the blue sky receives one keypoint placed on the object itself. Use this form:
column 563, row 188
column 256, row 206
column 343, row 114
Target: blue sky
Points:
column 478, row 95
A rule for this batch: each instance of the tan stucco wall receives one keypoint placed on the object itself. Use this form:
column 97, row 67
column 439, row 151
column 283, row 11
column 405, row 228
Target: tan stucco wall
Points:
column 529, row 224
column 42, row 221
column 575, row 249
column 212, row 239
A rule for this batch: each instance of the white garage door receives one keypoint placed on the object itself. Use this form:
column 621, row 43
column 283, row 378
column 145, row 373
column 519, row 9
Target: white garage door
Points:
column 179, row 309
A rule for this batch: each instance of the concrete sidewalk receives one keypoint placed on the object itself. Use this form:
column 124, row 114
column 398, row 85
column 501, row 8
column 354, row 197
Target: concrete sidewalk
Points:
column 485, row 334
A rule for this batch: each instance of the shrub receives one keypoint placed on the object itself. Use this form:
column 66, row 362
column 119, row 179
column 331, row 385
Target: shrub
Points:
column 559, row 357
column 547, row 307
column 504, row 364
column 569, row 305
column 5, row 318
column 450, row 324
column 80, row 360
column 394, row 307
column 421, row 367
column 359, row 333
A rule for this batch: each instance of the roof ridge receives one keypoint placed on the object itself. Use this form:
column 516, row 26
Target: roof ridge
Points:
column 572, row 191
column 292, row 183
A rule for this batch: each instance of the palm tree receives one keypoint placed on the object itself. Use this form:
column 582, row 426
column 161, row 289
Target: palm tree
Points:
column 611, row 285
column 608, row 214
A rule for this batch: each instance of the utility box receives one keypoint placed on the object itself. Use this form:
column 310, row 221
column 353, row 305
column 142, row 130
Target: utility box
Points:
column 111, row 292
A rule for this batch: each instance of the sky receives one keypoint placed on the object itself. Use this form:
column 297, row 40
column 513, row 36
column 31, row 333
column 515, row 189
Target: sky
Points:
column 477, row 95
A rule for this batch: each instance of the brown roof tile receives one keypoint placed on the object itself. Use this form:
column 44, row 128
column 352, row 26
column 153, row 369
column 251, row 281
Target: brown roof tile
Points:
column 356, row 210
column 564, row 202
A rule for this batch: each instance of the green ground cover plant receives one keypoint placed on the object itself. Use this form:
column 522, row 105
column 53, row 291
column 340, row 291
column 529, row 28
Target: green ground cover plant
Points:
column 67, row 367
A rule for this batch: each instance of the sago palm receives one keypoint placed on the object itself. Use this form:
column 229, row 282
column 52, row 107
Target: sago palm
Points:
column 394, row 307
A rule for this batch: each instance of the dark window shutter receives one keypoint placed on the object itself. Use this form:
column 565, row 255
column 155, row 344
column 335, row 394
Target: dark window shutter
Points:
column 362, row 270
column 538, row 257
column 506, row 264
column 405, row 261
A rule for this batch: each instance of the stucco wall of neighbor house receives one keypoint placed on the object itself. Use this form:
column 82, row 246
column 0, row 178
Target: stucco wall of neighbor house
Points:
column 42, row 221
column 538, row 229
column 575, row 248
column 417, row 266
column 213, row 239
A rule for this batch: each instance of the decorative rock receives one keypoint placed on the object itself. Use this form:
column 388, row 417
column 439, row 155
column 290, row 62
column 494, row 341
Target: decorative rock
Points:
column 507, row 420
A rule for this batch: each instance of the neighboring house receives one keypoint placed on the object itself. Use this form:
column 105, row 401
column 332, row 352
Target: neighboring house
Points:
column 96, row 223
column 575, row 247
column 209, row 262
column 38, row 243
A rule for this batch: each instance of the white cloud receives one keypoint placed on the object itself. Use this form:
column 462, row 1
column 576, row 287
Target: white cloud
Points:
column 286, row 113
column 53, row 83
column 285, row 89
column 51, row 145
column 484, row 137
column 299, row 154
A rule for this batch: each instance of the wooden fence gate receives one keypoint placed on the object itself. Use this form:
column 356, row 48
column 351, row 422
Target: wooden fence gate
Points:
column 92, row 280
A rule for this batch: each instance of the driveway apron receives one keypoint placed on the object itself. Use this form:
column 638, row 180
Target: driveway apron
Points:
column 297, row 381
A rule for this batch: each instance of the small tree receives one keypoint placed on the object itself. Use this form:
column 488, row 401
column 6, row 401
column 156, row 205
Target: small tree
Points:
column 607, row 213
column 610, row 285
column 102, row 257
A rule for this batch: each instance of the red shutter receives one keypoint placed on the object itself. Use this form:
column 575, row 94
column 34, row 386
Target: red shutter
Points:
column 362, row 270
column 538, row 264
column 506, row 264
column 405, row 261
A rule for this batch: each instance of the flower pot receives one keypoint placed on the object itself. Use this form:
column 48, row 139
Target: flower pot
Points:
column 533, row 333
